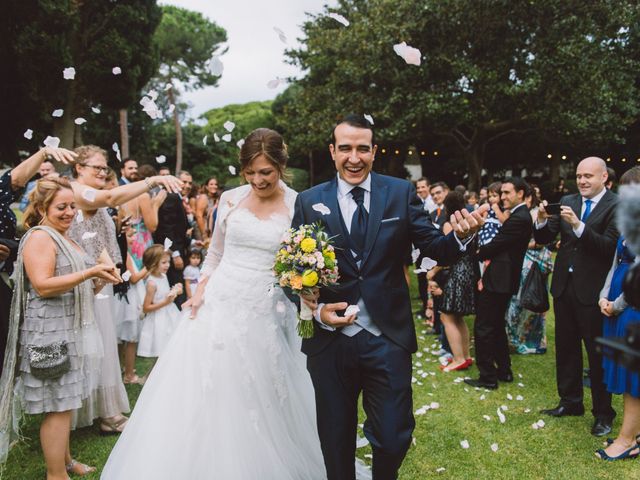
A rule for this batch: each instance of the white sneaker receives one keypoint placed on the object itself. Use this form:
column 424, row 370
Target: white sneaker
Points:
column 439, row 353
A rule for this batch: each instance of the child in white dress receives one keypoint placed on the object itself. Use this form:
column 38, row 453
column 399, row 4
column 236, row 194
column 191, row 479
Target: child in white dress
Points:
column 130, row 315
column 162, row 315
column 192, row 272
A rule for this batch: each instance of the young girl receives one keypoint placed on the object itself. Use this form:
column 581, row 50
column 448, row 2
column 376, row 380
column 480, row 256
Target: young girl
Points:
column 131, row 312
column 492, row 224
column 192, row 272
column 162, row 315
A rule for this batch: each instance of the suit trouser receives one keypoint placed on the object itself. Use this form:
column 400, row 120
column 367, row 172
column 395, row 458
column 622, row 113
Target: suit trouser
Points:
column 423, row 286
column 5, row 307
column 492, row 345
column 577, row 323
column 382, row 371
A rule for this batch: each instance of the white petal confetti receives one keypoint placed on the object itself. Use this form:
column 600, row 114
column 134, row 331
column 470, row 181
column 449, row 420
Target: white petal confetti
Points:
column 171, row 108
column 227, row 137
column 369, row 118
column 535, row 426
column 410, row 55
column 352, row 310
column 283, row 37
column 229, row 126
column 427, row 263
column 527, row 410
column 504, row 408
column 415, row 253
column 520, row 398
column 216, row 138
column 79, row 121
column 126, row 276
column 95, row 110
column 440, row 469
column 216, row 67
column 28, row 134
column 116, row 149
column 116, row 70
column 89, row 194
column 275, row 83
column 88, row 235
column 486, row 417
column 339, row 18
column 69, row 73
column 483, row 396
column 204, row 140
column 168, row 87
column 232, row 170
column 361, row 441
column 521, row 385
column 540, row 423
column 240, row 143
column 464, row 444
column 434, row 405
column 280, row 308
column 321, row 208
column 509, row 396
column 58, row 112
column 494, row 447
column 167, row 244
column 161, row 158
column 501, row 416
column 79, row 216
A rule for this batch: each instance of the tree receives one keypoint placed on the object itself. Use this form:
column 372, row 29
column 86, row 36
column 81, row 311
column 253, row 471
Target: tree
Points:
column 91, row 36
column 558, row 69
column 186, row 41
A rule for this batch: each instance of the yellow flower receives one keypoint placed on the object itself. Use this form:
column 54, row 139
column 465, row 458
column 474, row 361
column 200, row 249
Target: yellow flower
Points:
column 296, row 282
column 329, row 254
column 309, row 278
column 308, row 245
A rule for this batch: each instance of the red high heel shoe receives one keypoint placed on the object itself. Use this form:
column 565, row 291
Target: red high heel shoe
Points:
column 463, row 366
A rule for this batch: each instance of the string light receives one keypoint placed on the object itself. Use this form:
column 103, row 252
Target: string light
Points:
column 564, row 157
column 397, row 152
column 549, row 155
column 410, row 152
column 423, row 153
column 384, row 150
column 608, row 159
column 435, row 153
column 624, row 160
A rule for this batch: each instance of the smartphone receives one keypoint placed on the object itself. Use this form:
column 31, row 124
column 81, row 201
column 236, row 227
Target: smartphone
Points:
column 553, row 208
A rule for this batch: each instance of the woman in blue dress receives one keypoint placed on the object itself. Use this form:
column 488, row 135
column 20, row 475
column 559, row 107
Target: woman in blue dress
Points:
column 618, row 316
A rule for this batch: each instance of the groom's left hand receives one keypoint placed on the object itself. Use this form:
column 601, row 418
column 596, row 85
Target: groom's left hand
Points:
column 466, row 224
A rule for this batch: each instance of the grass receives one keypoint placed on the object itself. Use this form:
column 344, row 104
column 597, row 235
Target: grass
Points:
column 563, row 449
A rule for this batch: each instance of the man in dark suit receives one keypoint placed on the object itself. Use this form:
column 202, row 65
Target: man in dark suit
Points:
column 129, row 171
column 374, row 220
column 173, row 224
column 500, row 281
column 439, row 191
column 588, row 237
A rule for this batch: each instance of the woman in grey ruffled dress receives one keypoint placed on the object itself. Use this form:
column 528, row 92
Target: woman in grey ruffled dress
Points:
column 54, row 348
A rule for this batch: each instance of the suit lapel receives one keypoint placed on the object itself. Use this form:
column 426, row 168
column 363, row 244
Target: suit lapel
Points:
column 330, row 199
column 600, row 207
column 377, row 203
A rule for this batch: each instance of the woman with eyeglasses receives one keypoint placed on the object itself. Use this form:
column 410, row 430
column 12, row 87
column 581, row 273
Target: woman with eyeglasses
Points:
column 95, row 231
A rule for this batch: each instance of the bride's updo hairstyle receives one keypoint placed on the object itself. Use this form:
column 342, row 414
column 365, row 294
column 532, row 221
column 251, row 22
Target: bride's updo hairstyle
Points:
column 267, row 142
column 41, row 197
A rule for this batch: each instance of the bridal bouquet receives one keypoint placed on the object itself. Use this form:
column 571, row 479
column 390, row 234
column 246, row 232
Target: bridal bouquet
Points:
column 306, row 260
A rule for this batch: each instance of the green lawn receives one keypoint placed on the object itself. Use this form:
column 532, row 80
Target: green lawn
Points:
column 562, row 449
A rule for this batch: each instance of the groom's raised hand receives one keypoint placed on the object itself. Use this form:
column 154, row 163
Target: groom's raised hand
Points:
column 466, row 224
column 328, row 315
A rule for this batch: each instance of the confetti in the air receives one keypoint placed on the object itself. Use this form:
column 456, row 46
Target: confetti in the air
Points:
column 58, row 112
column 283, row 37
column 161, row 158
column 95, row 110
column 168, row 87
column 216, row 138
column 227, row 137
column 339, row 18
column 204, row 140
column 321, row 208
column 79, row 121
column 171, row 108
column 116, row 149
column 240, row 143
column 116, row 70
column 368, row 118
column 352, row 310
column 88, row 235
column 126, row 276
column 410, row 55
column 229, row 126
column 52, row 142
column 232, row 170
column 275, row 83
column 28, row 134
column 216, row 67
column 69, row 73
column 167, row 244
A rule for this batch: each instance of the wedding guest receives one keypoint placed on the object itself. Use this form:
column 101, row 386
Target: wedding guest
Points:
column 482, row 196
column 439, row 191
column 617, row 318
column 472, row 201
column 458, row 297
column 526, row 329
column 192, row 272
column 94, row 230
column 206, row 203
column 423, row 191
column 11, row 184
column 161, row 314
column 129, row 171
column 500, row 281
column 428, row 205
column 46, row 169
column 588, row 237
column 611, row 179
column 52, row 323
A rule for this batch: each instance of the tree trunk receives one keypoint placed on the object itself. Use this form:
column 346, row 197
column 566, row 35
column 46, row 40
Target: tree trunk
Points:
column 124, row 133
column 64, row 127
column 311, row 176
column 475, row 161
column 178, row 127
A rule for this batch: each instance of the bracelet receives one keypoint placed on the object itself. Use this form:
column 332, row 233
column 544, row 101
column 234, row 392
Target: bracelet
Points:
column 82, row 273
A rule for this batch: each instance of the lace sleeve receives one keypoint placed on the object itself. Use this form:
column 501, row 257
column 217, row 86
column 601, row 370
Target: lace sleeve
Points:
column 216, row 247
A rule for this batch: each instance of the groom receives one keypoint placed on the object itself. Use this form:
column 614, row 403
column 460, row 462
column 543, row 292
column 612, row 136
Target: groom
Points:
column 374, row 220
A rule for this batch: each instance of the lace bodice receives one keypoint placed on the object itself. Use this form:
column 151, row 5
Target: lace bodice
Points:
column 242, row 239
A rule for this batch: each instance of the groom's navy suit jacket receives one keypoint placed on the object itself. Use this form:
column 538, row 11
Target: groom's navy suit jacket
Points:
column 396, row 220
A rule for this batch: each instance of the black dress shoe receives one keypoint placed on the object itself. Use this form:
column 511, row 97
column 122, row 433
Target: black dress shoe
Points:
column 507, row 377
column 601, row 427
column 480, row 383
column 561, row 411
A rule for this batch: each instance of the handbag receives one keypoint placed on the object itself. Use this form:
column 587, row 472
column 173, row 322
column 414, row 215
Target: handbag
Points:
column 534, row 296
column 48, row 362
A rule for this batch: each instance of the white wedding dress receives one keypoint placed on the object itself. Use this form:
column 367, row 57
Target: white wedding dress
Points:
column 230, row 397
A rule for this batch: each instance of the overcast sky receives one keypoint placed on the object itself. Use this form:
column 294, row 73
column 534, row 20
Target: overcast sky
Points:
column 256, row 54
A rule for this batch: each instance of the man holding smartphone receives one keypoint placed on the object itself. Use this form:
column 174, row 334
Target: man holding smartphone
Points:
column 588, row 234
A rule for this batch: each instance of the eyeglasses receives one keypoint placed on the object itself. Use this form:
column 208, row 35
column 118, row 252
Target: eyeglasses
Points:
column 97, row 168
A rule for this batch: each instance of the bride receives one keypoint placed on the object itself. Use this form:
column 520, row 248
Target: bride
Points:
column 230, row 397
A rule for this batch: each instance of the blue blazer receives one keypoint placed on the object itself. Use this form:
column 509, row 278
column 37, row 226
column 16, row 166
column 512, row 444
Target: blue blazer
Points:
column 396, row 220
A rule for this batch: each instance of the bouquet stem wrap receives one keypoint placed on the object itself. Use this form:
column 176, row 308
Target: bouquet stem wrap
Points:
column 305, row 321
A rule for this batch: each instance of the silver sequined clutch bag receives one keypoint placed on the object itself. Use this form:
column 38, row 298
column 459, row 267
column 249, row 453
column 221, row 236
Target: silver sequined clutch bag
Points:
column 48, row 362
